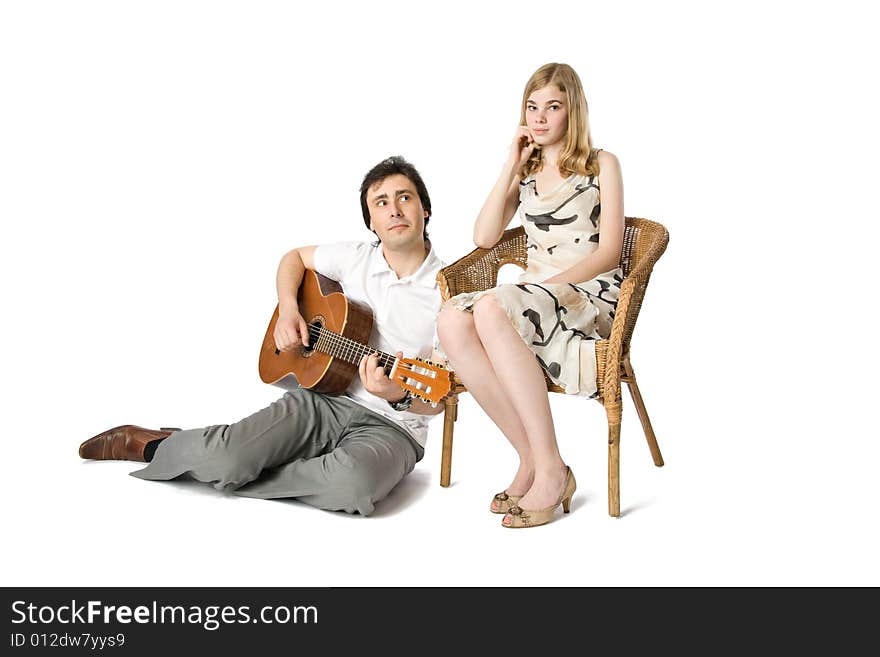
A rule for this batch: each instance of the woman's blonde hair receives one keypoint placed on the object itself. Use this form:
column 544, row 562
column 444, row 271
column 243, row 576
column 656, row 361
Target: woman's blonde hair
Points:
column 577, row 154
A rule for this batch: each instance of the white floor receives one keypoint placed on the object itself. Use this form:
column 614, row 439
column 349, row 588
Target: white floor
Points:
column 736, row 504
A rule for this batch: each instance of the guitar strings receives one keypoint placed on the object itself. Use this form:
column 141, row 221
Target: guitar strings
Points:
column 344, row 348
column 348, row 349
column 332, row 339
column 352, row 351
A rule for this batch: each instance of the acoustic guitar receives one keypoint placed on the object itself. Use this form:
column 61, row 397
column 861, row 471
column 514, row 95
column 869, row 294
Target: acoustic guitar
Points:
column 339, row 329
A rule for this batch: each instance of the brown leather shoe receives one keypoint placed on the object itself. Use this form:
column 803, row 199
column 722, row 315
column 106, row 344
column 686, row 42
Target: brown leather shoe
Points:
column 125, row 443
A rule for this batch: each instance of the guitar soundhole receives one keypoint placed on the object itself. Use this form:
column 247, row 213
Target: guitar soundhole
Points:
column 315, row 327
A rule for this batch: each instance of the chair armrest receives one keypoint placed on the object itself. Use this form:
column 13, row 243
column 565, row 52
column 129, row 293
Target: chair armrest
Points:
column 629, row 303
column 478, row 270
column 613, row 347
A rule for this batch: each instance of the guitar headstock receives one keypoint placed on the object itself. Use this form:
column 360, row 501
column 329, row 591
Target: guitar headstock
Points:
column 424, row 379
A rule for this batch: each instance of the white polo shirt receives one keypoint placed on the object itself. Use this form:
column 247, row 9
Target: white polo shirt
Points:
column 404, row 313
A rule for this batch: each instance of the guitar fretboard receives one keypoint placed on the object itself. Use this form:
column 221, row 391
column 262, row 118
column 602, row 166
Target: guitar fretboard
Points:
column 339, row 346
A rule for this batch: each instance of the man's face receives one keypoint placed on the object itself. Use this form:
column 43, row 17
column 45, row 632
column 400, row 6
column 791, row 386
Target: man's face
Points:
column 396, row 212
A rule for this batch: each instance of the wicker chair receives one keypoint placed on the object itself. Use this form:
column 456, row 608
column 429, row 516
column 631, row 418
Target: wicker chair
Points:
column 643, row 243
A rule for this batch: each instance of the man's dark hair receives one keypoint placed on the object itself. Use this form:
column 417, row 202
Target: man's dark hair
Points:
column 389, row 167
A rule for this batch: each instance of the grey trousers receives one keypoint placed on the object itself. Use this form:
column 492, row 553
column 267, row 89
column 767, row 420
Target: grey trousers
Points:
column 329, row 452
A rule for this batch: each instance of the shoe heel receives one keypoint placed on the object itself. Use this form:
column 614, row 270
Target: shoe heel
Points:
column 566, row 505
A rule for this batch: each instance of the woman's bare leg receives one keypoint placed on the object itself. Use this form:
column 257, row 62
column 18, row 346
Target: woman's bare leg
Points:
column 522, row 379
column 461, row 343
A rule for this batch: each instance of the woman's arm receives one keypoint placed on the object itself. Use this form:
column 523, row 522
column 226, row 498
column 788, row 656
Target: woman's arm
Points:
column 611, row 225
column 500, row 206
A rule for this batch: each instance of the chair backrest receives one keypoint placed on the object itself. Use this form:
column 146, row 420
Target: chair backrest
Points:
column 644, row 242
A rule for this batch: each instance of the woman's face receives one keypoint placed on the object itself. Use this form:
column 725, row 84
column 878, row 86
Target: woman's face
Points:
column 547, row 115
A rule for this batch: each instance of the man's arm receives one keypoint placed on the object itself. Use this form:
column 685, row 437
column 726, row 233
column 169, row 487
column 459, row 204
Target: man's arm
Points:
column 291, row 329
column 421, row 408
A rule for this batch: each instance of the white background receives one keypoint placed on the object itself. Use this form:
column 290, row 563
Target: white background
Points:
column 158, row 158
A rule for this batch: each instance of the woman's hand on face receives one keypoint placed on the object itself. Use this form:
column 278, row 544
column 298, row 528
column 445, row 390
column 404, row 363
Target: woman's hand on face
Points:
column 522, row 147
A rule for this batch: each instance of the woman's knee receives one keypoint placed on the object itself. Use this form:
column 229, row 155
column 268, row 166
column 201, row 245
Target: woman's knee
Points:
column 488, row 313
column 455, row 328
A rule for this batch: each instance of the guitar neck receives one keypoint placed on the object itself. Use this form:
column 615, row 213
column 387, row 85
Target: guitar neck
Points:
column 351, row 351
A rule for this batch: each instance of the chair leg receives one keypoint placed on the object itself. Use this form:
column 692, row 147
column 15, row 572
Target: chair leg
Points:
column 614, row 412
column 450, row 415
column 643, row 413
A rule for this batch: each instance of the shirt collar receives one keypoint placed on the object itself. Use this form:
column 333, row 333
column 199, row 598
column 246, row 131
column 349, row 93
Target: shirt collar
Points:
column 426, row 274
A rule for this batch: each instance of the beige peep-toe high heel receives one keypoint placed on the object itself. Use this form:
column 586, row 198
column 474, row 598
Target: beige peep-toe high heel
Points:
column 505, row 502
column 520, row 518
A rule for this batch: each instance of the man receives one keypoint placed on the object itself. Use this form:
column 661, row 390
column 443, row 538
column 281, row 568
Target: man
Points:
column 337, row 453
